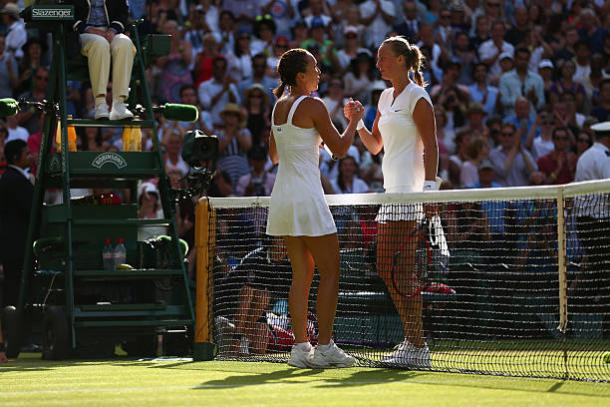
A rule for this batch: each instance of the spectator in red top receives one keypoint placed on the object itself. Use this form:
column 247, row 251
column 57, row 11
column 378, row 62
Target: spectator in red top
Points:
column 559, row 166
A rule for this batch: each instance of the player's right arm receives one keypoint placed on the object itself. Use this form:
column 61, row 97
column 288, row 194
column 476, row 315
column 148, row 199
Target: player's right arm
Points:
column 371, row 139
column 338, row 143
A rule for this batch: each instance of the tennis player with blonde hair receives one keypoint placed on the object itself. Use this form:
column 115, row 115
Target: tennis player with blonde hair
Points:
column 298, row 210
column 406, row 129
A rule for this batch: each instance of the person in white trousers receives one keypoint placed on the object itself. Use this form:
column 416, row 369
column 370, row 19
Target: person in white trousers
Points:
column 101, row 24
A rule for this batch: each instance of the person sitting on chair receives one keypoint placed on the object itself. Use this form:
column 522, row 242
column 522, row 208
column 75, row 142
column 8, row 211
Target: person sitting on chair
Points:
column 101, row 24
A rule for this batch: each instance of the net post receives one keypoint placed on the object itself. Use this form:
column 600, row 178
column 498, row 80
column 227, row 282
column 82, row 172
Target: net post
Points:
column 205, row 239
column 561, row 262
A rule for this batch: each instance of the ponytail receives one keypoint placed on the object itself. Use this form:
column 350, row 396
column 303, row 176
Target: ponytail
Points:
column 417, row 60
column 279, row 90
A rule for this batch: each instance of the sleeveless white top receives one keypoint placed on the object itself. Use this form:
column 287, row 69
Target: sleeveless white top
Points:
column 403, row 159
column 298, row 206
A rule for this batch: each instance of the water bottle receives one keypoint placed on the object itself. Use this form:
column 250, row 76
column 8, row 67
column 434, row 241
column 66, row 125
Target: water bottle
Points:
column 108, row 255
column 120, row 253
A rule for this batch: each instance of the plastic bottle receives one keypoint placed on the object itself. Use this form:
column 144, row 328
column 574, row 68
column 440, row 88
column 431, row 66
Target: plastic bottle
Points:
column 108, row 255
column 71, row 137
column 136, row 139
column 120, row 253
column 127, row 139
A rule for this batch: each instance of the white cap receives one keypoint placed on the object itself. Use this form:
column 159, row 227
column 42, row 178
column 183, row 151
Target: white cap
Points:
column 506, row 54
column 545, row 63
column 601, row 129
column 148, row 187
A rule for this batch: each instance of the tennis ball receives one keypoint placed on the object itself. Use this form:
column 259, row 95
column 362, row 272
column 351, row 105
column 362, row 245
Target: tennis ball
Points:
column 607, row 357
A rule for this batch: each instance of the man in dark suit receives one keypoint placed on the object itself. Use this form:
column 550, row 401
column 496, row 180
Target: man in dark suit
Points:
column 409, row 26
column 16, row 194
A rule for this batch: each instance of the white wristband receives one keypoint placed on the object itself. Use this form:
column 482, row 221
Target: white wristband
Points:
column 430, row 186
column 360, row 125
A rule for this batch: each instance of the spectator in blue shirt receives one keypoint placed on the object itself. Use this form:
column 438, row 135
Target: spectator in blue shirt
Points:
column 521, row 82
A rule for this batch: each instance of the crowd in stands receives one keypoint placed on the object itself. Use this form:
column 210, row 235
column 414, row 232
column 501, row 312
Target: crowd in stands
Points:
column 516, row 85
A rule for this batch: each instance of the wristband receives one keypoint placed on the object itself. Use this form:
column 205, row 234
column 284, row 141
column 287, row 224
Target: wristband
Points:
column 430, row 186
column 360, row 125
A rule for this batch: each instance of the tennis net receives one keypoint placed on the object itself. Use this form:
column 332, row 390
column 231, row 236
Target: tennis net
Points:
column 511, row 281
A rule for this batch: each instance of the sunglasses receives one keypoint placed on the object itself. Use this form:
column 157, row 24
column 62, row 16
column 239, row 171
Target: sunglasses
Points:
column 561, row 138
column 42, row 78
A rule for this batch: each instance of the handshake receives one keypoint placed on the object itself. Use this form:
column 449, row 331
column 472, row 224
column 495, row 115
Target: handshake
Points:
column 353, row 110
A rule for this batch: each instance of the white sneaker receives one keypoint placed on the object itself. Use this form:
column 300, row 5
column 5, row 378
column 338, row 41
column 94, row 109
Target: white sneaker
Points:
column 101, row 111
column 300, row 357
column 406, row 354
column 119, row 111
column 331, row 356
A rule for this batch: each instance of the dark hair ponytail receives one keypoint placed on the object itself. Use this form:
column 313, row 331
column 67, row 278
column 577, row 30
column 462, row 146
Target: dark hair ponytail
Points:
column 413, row 56
column 290, row 64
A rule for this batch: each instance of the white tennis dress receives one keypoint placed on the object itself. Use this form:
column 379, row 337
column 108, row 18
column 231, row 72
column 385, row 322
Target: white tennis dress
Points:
column 403, row 159
column 298, row 206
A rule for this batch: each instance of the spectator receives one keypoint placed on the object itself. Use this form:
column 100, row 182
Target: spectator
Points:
column 216, row 92
column 280, row 46
column 149, row 207
column 264, row 29
column 16, row 36
column 31, row 117
column 172, row 140
column 188, row 96
column 259, row 114
column 546, row 70
column 559, row 166
column 282, row 12
column 258, row 182
column 16, row 195
column 240, row 58
column 377, row 16
column 259, row 76
column 543, row 143
column 481, row 92
column 487, row 178
column 456, row 161
column 326, row 47
column 521, row 28
column 584, row 141
column 352, row 48
column 521, row 82
column 477, row 151
column 491, row 50
column 512, row 162
column 226, row 34
column 565, row 83
column 482, row 29
column 359, row 78
column 31, row 60
column 602, row 111
column 234, row 142
column 206, row 60
column 464, row 54
column 475, row 122
column 16, row 132
column 347, row 180
column 334, row 101
column 371, row 108
column 524, row 119
column 409, row 23
column 8, row 71
column 174, row 70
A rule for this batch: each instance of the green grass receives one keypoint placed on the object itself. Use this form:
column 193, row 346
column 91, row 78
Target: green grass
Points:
column 30, row 381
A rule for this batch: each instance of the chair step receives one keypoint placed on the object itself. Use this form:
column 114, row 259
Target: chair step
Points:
column 133, row 323
column 122, row 311
column 111, row 123
column 119, row 222
column 135, row 274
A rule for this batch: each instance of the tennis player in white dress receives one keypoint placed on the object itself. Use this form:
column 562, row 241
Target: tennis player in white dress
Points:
column 406, row 129
column 298, row 210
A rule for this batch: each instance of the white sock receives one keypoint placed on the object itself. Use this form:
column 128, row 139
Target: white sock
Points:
column 326, row 347
column 305, row 346
column 100, row 100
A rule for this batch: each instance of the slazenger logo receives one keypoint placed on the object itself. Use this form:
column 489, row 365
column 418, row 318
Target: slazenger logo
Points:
column 109, row 158
column 52, row 13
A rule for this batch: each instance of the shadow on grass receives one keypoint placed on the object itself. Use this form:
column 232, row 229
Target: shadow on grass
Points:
column 283, row 376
